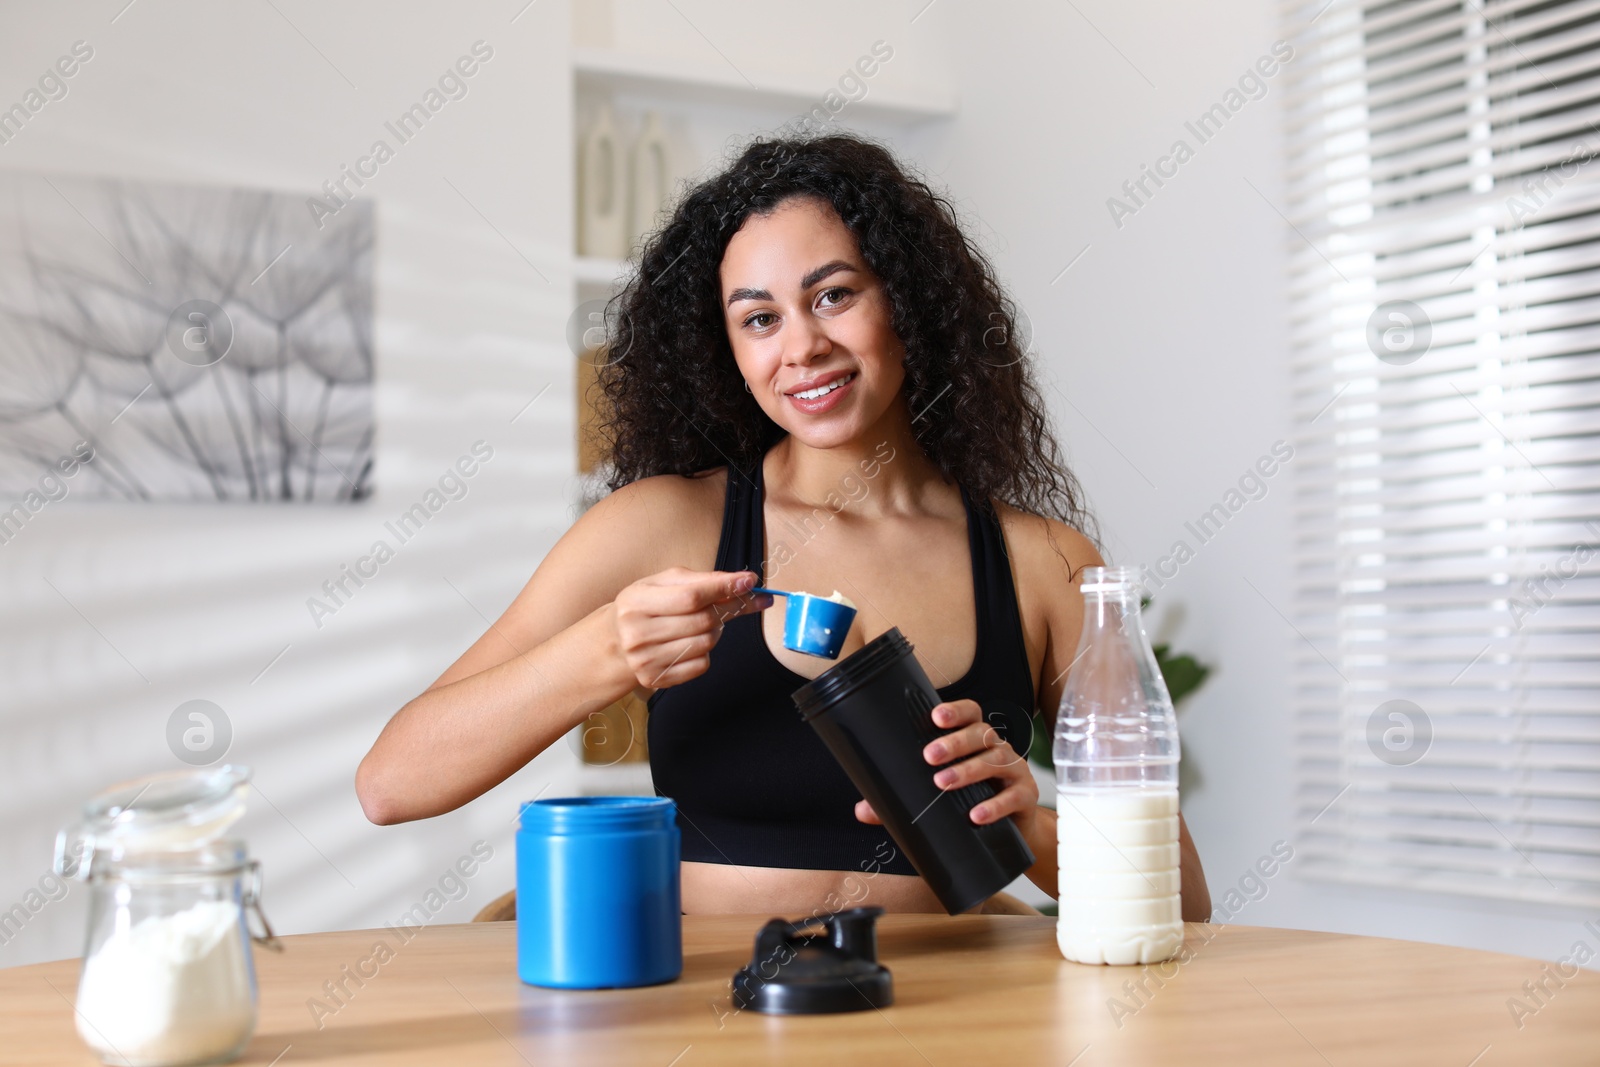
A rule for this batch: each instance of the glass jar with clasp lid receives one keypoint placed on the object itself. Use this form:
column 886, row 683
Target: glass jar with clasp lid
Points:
column 168, row 977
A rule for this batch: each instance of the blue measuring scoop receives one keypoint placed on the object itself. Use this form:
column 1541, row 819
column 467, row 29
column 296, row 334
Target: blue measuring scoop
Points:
column 813, row 625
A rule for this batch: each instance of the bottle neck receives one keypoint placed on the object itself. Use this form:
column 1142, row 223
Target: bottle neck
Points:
column 1110, row 608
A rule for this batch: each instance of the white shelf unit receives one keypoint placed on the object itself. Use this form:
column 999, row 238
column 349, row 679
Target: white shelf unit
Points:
column 617, row 780
column 673, row 80
column 710, row 110
column 594, row 272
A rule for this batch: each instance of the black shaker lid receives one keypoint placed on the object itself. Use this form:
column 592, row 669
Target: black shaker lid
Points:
column 799, row 969
column 850, row 673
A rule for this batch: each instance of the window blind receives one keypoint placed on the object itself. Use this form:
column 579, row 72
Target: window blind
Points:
column 1444, row 211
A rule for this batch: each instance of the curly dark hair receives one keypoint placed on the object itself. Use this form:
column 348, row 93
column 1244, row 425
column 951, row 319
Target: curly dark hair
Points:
column 674, row 401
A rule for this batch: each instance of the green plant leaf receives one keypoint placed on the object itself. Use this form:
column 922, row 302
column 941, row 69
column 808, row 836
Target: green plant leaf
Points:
column 1183, row 673
column 1039, row 751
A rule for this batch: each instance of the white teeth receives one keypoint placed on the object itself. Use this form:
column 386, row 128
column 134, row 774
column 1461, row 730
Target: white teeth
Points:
column 823, row 390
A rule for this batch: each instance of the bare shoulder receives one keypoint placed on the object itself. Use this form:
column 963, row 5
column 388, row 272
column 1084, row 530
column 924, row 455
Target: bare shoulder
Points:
column 1048, row 558
column 1045, row 552
column 659, row 522
column 665, row 496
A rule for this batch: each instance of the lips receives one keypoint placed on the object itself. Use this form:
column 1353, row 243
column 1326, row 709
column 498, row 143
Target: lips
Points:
column 833, row 388
column 819, row 382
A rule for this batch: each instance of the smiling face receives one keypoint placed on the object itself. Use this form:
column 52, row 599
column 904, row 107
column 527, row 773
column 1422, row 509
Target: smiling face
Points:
column 809, row 324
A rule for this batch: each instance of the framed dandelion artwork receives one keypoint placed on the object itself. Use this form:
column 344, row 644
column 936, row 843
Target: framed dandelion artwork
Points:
column 163, row 343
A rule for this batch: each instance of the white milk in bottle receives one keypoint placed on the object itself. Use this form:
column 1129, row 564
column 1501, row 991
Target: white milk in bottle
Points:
column 1116, row 757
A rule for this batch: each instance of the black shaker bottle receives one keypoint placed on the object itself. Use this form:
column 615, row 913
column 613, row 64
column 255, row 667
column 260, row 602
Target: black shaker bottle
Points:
column 873, row 711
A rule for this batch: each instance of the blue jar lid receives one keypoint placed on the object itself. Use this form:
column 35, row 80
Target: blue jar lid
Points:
column 589, row 815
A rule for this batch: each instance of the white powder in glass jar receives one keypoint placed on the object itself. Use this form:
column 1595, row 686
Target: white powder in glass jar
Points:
column 170, row 989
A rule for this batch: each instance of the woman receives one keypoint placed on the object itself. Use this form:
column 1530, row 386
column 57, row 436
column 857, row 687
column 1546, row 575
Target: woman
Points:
column 814, row 382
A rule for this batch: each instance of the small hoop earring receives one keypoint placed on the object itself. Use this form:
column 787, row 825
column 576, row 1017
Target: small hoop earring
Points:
column 747, row 388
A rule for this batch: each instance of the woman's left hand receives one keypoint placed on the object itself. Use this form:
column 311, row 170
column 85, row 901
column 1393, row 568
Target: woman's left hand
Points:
column 987, row 755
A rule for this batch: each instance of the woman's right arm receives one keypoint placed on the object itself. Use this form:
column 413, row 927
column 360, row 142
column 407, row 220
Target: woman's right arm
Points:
column 603, row 615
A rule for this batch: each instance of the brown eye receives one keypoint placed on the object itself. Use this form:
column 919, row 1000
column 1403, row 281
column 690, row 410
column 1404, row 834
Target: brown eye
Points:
column 751, row 321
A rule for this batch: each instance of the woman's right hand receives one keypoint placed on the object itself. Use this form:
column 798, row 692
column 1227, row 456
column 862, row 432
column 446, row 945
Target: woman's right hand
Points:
column 667, row 623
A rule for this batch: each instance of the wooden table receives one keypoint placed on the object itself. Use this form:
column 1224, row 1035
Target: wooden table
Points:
column 976, row 989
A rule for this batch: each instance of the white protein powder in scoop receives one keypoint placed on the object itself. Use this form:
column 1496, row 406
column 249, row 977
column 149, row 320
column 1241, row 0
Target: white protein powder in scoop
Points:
column 170, row 989
column 839, row 598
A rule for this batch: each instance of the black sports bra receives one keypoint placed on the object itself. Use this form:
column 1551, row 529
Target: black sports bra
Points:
column 754, row 784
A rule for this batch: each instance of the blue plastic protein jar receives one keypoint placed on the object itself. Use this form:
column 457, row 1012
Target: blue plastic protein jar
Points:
column 597, row 892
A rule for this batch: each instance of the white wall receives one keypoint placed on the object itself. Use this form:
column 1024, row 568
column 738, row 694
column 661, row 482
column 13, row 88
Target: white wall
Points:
column 201, row 598
column 1169, row 340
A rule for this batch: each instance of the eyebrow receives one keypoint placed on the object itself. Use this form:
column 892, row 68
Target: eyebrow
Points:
column 807, row 282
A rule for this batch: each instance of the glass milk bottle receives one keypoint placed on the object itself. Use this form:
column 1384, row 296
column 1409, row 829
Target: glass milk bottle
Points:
column 1116, row 757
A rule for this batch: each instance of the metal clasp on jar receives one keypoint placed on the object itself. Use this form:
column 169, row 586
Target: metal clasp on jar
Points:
column 74, row 850
column 252, row 904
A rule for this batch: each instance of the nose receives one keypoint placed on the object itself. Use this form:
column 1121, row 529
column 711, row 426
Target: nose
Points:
column 807, row 341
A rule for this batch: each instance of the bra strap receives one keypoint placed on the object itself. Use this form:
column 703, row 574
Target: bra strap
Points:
column 999, row 613
column 740, row 546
